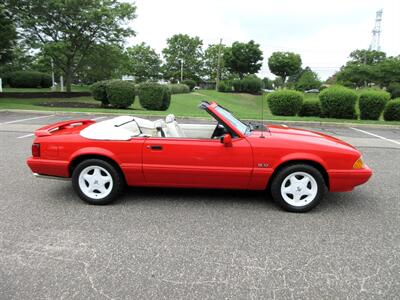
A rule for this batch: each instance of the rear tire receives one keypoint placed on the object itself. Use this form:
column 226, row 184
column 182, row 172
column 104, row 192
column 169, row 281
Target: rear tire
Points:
column 97, row 181
column 298, row 188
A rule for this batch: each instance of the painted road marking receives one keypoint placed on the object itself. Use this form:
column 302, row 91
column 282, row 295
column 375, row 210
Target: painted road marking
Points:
column 98, row 118
column 26, row 135
column 28, row 119
column 375, row 135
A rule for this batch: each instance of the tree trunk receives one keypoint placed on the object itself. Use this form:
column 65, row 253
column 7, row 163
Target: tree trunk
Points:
column 68, row 78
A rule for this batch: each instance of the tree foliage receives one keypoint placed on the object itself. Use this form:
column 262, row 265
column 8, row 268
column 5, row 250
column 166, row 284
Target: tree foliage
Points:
column 185, row 48
column 143, row 62
column 243, row 58
column 284, row 64
column 67, row 30
column 211, row 56
column 8, row 35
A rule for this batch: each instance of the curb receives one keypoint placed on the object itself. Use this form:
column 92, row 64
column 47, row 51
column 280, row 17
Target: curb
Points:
column 266, row 121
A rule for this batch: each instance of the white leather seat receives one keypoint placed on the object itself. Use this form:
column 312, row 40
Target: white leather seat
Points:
column 173, row 128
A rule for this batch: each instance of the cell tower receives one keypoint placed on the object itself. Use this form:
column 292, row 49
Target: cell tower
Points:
column 376, row 32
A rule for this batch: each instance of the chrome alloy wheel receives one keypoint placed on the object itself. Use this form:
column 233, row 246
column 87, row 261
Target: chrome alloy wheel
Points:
column 95, row 182
column 299, row 189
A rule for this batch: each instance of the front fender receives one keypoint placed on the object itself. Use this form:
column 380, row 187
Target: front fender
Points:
column 300, row 156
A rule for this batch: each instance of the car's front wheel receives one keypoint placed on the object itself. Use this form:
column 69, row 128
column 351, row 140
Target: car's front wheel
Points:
column 97, row 181
column 298, row 187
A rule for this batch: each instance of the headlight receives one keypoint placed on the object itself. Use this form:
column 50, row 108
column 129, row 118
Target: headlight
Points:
column 359, row 164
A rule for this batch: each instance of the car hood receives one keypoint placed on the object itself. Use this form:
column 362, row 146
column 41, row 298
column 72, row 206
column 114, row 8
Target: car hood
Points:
column 289, row 133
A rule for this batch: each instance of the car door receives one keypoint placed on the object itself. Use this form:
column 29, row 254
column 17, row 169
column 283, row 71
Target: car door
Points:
column 184, row 162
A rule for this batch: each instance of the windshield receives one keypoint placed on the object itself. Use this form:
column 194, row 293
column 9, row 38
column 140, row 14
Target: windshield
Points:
column 243, row 128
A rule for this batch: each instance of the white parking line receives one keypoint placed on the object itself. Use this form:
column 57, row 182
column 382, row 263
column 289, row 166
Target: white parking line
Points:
column 98, row 118
column 375, row 135
column 26, row 135
column 28, row 119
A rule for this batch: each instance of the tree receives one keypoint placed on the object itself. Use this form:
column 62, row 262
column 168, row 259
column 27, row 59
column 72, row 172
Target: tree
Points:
column 268, row 83
column 8, row 35
column 181, row 47
column 67, row 30
column 367, row 57
column 308, row 80
column 211, row 56
column 284, row 64
column 243, row 58
column 355, row 75
column 387, row 71
column 143, row 62
column 103, row 62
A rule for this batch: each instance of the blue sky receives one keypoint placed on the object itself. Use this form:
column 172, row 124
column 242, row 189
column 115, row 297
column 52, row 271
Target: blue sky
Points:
column 322, row 32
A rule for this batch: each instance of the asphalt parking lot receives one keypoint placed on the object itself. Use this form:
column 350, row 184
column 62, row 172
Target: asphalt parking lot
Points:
column 196, row 244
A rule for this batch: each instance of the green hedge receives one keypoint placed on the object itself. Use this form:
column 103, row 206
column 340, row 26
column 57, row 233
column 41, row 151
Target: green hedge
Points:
column 224, row 86
column 372, row 104
column 394, row 89
column 154, row 96
column 392, row 110
column 28, row 79
column 178, row 88
column 99, row 91
column 120, row 93
column 310, row 108
column 285, row 102
column 338, row 102
column 190, row 83
column 249, row 84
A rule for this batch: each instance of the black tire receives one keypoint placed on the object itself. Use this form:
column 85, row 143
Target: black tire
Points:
column 118, row 181
column 279, row 178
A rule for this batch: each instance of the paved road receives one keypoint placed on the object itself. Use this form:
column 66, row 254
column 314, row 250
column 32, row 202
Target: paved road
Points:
column 195, row 244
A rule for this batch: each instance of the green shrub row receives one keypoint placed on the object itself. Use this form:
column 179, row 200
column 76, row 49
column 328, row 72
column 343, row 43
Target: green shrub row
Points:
column 394, row 89
column 285, row 102
column 392, row 110
column 28, row 79
column 190, row 83
column 178, row 88
column 372, row 104
column 338, row 102
column 310, row 108
column 154, row 96
column 121, row 94
column 249, row 84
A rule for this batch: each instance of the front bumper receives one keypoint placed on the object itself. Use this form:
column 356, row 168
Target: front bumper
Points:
column 347, row 180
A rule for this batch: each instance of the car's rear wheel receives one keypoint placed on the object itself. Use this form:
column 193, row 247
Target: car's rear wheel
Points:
column 97, row 181
column 298, row 187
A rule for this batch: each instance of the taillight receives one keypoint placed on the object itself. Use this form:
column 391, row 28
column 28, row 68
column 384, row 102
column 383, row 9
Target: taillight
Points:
column 36, row 150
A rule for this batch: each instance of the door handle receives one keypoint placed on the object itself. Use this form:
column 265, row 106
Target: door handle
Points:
column 154, row 147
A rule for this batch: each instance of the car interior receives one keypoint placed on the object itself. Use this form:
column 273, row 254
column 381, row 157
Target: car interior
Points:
column 127, row 127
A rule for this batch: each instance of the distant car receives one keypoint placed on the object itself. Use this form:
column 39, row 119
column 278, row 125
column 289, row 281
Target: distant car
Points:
column 296, row 165
column 268, row 90
column 196, row 88
column 312, row 91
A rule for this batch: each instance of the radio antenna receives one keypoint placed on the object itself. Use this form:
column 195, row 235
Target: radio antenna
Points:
column 262, row 115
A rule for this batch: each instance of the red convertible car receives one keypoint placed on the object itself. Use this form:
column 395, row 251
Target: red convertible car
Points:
column 296, row 166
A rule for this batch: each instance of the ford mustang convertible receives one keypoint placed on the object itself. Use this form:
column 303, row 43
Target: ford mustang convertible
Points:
column 295, row 166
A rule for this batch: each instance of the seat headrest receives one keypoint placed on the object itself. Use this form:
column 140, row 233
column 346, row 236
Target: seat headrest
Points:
column 170, row 118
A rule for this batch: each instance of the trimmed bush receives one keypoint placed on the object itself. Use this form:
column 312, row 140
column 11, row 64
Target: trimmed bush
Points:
column 394, row 89
column 120, row 93
column 190, row 83
column 166, row 101
column 338, row 102
column 372, row 104
column 99, row 92
column 285, row 102
column 310, row 108
column 392, row 110
column 154, row 96
column 249, row 84
column 28, row 79
column 178, row 88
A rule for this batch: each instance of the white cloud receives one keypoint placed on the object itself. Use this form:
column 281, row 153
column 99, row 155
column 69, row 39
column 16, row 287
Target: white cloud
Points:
column 322, row 32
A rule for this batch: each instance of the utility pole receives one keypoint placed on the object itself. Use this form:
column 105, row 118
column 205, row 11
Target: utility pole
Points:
column 53, row 86
column 181, row 69
column 219, row 65
column 376, row 32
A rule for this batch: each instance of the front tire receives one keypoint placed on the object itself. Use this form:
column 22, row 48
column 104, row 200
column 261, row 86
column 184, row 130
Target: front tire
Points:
column 298, row 188
column 97, row 181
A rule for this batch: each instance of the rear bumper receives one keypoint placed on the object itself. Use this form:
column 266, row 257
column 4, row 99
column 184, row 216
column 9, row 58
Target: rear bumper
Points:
column 347, row 180
column 48, row 167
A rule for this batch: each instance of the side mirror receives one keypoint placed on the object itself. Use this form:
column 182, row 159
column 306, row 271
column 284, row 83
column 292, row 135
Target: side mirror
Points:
column 226, row 140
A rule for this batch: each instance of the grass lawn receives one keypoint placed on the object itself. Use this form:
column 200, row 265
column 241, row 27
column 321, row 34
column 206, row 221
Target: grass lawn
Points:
column 244, row 106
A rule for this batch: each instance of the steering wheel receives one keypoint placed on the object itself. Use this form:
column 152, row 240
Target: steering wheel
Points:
column 218, row 131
